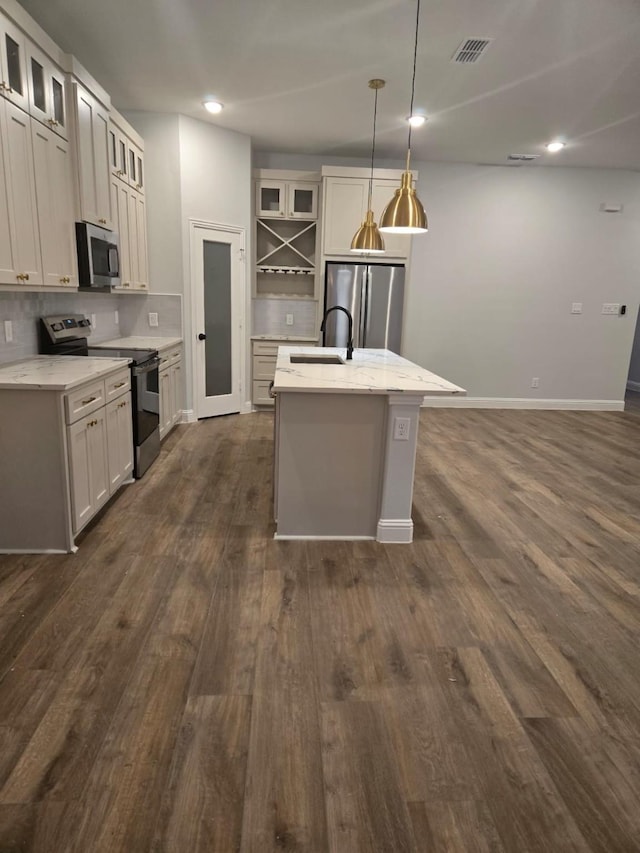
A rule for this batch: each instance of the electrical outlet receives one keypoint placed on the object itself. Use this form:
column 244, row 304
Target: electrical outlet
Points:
column 576, row 307
column 8, row 331
column 153, row 318
column 116, row 317
column 401, row 429
column 93, row 321
column 610, row 307
column 535, row 382
column 289, row 319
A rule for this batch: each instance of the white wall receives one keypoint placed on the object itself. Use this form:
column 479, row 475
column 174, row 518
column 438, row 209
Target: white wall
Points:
column 215, row 186
column 194, row 170
column 508, row 251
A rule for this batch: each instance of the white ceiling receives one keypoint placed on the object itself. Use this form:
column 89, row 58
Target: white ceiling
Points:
column 293, row 73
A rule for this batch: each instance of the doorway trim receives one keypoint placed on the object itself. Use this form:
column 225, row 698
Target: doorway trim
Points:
column 241, row 232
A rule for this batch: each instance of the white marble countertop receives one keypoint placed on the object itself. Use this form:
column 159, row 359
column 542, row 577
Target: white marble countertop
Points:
column 372, row 371
column 139, row 342
column 283, row 338
column 56, row 372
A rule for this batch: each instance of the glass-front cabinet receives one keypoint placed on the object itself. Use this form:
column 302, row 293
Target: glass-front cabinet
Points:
column 286, row 200
column 13, row 64
column 46, row 91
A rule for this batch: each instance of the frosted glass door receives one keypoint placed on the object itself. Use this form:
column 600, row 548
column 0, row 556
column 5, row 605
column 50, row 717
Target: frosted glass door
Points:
column 218, row 290
column 217, row 317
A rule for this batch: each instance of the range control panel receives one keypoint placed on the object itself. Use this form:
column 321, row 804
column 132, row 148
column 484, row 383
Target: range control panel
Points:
column 67, row 327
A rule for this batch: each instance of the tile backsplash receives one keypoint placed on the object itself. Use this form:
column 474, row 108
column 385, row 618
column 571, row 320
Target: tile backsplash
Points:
column 25, row 309
column 270, row 317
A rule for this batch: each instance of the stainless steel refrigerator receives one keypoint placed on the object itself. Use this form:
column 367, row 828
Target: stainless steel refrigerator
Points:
column 374, row 295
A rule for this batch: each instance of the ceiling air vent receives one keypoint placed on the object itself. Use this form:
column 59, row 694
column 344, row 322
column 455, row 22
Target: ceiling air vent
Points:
column 523, row 158
column 471, row 50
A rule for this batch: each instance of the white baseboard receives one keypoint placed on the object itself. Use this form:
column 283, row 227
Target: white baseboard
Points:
column 188, row 417
column 286, row 536
column 395, row 530
column 521, row 403
column 632, row 385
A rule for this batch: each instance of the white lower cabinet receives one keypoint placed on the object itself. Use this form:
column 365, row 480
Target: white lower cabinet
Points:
column 100, row 447
column 88, row 467
column 64, row 454
column 119, row 441
column 264, row 354
column 170, row 376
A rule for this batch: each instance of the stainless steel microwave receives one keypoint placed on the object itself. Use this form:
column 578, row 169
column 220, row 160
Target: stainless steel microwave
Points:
column 98, row 257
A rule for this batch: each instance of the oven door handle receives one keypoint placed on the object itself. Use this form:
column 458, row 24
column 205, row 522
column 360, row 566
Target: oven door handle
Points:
column 147, row 367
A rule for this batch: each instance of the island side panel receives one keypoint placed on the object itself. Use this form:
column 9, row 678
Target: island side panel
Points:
column 395, row 524
column 34, row 517
column 330, row 463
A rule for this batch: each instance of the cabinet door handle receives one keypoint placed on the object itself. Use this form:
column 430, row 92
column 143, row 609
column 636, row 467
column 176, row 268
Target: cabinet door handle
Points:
column 90, row 400
column 102, row 221
column 120, row 384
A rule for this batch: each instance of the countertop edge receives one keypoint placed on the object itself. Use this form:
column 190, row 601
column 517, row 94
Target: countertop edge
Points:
column 99, row 373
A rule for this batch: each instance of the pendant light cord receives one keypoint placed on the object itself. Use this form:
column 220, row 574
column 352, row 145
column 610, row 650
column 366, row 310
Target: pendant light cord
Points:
column 413, row 82
column 373, row 147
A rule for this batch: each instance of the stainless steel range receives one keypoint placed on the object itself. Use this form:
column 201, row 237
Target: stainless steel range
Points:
column 69, row 335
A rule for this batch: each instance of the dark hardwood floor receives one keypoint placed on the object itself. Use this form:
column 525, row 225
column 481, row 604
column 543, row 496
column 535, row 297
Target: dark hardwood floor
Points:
column 186, row 683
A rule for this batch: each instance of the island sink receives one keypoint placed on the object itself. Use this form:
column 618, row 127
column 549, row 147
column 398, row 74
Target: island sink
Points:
column 316, row 359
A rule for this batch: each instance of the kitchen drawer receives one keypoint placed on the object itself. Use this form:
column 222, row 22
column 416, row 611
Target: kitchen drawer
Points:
column 84, row 400
column 264, row 366
column 118, row 384
column 260, row 395
column 170, row 356
column 267, row 347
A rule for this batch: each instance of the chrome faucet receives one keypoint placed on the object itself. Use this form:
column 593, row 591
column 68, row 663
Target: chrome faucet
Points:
column 350, row 340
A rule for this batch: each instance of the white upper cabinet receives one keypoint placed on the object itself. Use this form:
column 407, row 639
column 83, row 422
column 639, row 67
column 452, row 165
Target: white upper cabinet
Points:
column 286, row 200
column 126, row 157
column 52, row 165
column 344, row 209
column 13, row 64
column 46, row 91
column 92, row 144
column 20, row 242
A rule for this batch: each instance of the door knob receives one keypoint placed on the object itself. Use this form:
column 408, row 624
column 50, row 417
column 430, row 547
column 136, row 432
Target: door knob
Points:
column 202, row 337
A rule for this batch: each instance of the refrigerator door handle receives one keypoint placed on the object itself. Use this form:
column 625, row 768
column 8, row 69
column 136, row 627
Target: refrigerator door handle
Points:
column 364, row 307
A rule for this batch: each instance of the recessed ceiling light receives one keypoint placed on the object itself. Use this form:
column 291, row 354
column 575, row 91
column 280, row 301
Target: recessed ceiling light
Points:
column 213, row 106
column 552, row 147
column 416, row 120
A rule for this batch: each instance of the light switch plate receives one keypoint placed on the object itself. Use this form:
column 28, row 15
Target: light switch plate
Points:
column 153, row 318
column 116, row 317
column 8, row 331
column 611, row 308
column 576, row 307
column 93, row 321
column 289, row 319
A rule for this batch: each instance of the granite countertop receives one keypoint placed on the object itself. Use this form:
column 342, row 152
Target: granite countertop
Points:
column 56, row 372
column 138, row 342
column 372, row 371
column 283, row 338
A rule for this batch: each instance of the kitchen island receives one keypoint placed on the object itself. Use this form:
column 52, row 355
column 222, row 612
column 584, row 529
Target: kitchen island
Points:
column 345, row 442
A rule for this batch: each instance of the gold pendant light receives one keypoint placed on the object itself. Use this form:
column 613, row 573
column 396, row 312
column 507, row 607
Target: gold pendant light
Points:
column 367, row 239
column 405, row 214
